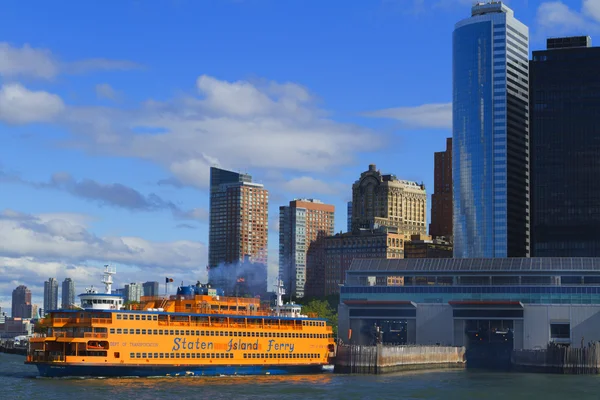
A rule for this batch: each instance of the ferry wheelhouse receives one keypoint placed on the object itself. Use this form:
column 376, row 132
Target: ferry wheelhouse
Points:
column 198, row 331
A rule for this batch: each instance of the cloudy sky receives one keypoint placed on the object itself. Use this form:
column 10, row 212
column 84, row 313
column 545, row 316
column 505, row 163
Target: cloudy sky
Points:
column 112, row 112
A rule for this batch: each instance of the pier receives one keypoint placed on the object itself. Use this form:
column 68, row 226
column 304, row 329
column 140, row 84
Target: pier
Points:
column 558, row 360
column 381, row 359
column 9, row 346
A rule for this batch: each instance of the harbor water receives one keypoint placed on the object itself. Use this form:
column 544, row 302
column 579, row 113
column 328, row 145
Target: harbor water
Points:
column 19, row 381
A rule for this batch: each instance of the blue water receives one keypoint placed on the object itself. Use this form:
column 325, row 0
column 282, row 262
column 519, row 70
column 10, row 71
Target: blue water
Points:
column 19, row 381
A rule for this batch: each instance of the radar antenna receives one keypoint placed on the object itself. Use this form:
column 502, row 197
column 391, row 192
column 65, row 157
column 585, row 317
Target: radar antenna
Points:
column 107, row 278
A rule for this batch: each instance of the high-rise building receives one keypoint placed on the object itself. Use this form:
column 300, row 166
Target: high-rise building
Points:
column 68, row 293
column 301, row 224
column 441, row 199
column 133, row 292
column 349, row 217
column 21, row 302
column 565, row 144
column 150, row 289
column 238, row 220
column 490, row 134
column 50, row 295
column 384, row 200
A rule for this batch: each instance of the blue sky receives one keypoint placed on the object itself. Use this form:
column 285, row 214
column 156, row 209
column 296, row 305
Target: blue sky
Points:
column 112, row 112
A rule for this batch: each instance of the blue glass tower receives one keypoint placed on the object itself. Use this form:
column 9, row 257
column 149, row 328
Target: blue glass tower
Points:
column 491, row 134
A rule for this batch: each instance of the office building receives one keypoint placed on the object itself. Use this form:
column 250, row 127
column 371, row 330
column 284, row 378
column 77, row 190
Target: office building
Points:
column 150, row 289
column 68, row 293
column 133, row 292
column 50, row 295
column 420, row 246
column 490, row 134
column 349, row 217
column 384, row 200
column 441, row 199
column 565, row 146
column 301, row 223
column 21, row 303
column 238, row 220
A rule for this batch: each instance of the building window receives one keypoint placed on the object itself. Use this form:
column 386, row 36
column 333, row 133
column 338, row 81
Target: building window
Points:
column 560, row 331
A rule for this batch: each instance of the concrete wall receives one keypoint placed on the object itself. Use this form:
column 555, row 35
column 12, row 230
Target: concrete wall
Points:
column 435, row 324
column 343, row 322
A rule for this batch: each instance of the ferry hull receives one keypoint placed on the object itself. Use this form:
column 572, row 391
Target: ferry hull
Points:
column 66, row 370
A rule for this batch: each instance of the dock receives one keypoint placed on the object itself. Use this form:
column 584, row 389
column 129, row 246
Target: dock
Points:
column 381, row 359
column 558, row 360
column 9, row 346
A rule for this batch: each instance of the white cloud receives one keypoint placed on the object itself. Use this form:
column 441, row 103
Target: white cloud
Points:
column 239, row 125
column 19, row 105
column 556, row 18
column 27, row 61
column 437, row 116
column 592, row 8
column 105, row 91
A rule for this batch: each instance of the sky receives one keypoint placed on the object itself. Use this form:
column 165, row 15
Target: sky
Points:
column 111, row 114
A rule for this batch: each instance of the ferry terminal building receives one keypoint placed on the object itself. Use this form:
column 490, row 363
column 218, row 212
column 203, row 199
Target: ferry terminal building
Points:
column 524, row 303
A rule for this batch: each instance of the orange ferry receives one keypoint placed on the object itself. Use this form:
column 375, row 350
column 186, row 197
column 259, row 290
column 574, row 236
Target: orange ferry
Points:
column 196, row 332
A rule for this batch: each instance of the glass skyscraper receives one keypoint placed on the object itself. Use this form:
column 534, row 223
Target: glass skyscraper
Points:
column 490, row 154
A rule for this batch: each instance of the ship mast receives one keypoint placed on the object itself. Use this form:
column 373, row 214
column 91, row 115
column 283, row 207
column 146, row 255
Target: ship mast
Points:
column 279, row 292
column 107, row 278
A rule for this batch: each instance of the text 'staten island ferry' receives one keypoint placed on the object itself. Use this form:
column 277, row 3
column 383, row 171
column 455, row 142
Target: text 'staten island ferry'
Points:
column 196, row 332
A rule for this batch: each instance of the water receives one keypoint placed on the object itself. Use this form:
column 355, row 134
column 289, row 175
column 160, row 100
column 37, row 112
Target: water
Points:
column 19, row 381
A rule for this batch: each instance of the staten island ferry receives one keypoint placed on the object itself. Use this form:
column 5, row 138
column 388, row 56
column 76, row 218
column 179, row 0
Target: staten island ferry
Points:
column 198, row 331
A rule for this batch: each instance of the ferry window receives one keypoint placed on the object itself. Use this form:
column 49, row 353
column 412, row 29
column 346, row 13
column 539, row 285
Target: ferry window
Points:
column 171, row 332
column 143, row 317
column 161, row 355
column 187, row 355
column 193, row 355
column 137, row 317
column 149, row 331
column 176, row 355
column 118, row 316
column 197, row 333
column 137, row 355
column 156, row 332
column 187, row 332
column 192, row 333
column 143, row 331
column 137, row 331
column 112, row 330
column 245, row 355
column 131, row 316
column 212, row 333
column 160, row 332
column 177, row 332
column 149, row 355
column 155, row 317
column 218, row 355
column 119, row 331
column 143, row 355
column 131, row 355
column 172, row 355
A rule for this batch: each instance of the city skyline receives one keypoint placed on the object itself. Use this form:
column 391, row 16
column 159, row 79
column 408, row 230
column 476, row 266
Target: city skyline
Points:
column 114, row 168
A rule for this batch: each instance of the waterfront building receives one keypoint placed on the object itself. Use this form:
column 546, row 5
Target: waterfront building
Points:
column 490, row 134
column 150, row 289
column 50, row 295
column 525, row 303
column 384, row 200
column 238, row 220
column 133, row 292
column 565, row 144
column 68, row 293
column 420, row 246
column 301, row 223
column 21, row 302
column 441, row 199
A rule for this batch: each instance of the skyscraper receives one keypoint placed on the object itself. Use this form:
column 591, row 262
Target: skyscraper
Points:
column 238, row 220
column 490, row 134
column 565, row 146
column 133, row 292
column 68, row 293
column 150, row 289
column 301, row 223
column 50, row 295
column 21, row 302
column 441, row 199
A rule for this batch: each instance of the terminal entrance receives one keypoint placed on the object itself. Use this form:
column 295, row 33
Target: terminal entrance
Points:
column 374, row 331
column 489, row 343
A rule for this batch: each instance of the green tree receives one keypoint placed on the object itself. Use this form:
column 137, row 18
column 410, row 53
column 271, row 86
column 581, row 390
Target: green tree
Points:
column 323, row 309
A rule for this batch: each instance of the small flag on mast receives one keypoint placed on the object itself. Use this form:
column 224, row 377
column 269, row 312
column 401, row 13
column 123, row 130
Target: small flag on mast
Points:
column 167, row 280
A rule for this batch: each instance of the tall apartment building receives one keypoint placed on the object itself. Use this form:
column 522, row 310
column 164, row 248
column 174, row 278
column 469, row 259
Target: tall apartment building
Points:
column 301, row 223
column 150, row 289
column 50, row 295
column 384, row 200
column 21, row 303
column 490, row 134
column 68, row 293
column 238, row 220
column 565, row 146
column 441, row 199
column 133, row 292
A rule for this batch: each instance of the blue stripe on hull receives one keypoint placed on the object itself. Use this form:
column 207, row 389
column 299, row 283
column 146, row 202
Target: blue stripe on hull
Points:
column 54, row 370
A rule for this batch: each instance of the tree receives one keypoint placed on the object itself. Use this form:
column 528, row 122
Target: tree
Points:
column 322, row 309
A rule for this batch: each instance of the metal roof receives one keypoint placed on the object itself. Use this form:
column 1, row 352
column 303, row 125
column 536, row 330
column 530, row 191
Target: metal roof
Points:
column 476, row 264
